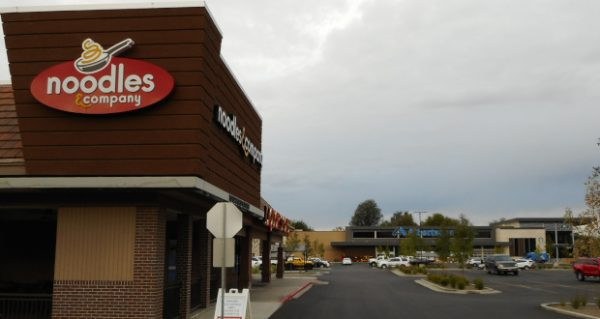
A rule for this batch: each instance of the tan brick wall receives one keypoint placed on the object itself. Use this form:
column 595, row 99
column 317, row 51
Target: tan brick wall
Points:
column 140, row 298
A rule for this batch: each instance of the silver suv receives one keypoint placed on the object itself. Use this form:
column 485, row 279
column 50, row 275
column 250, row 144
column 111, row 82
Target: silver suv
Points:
column 501, row 264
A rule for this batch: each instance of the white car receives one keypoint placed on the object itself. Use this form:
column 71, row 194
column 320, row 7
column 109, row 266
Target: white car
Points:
column 393, row 262
column 523, row 263
column 474, row 262
column 256, row 262
column 373, row 261
column 346, row 261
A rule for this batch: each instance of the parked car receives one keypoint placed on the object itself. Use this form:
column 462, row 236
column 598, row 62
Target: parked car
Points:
column 474, row 262
column 501, row 264
column 393, row 262
column 273, row 260
column 294, row 262
column 373, row 261
column 523, row 263
column 347, row 261
column 540, row 258
column 420, row 261
column 318, row 262
column 256, row 262
column 586, row 267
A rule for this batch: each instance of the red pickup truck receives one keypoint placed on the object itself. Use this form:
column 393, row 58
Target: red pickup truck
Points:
column 586, row 267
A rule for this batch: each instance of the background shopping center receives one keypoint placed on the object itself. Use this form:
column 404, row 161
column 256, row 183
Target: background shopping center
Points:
column 516, row 237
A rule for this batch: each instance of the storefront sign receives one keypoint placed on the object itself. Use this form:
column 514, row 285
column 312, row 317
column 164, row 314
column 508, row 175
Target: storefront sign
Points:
column 100, row 83
column 403, row 232
column 275, row 221
column 229, row 123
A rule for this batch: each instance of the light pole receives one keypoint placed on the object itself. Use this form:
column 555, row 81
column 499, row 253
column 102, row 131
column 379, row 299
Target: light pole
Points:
column 420, row 234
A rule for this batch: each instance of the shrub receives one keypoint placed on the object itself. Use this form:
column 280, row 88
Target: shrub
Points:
column 598, row 302
column 478, row 282
column 452, row 279
column 583, row 300
column 444, row 281
column 575, row 302
column 461, row 285
column 562, row 302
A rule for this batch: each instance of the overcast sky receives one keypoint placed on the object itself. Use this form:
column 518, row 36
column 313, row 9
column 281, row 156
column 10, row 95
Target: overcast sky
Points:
column 487, row 108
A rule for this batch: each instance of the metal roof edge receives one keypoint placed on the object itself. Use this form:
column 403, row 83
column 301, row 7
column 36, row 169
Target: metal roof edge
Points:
column 104, row 6
column 193, row 182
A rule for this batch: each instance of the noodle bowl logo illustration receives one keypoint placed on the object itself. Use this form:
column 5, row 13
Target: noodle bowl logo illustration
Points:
column 99, row 82
column 94, row 58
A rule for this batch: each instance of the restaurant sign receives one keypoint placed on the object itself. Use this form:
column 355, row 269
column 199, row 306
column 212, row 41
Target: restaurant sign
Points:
column 230, row 124
column 275, row 221
column 98, row 82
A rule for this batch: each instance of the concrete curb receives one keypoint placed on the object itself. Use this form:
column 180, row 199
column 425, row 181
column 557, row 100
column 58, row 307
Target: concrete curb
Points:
column 296, row 292
column 548, row 307
column 438, row 288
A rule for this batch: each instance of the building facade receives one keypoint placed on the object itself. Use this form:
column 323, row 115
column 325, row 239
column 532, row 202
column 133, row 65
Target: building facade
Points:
column 515, row 237
column 121, row 127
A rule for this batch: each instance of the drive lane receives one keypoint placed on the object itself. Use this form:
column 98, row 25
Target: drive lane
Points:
column 358, row 291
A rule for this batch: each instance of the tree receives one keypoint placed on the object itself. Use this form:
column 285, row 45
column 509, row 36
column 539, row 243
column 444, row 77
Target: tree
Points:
column 443, row 245
column 301, row 225
column 292, row 242
column 411, row 244
column 399, row 219
column 439, row 220
column 321, row 250
column 587, row 224
column 462, row 243
column 366, row 214
column 315, row 247
column 308, row 249
column 497, row 221
column 339, row 228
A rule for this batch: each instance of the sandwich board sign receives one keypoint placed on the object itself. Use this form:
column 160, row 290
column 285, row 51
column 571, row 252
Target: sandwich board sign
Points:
column 236, row 304
column 224, row 220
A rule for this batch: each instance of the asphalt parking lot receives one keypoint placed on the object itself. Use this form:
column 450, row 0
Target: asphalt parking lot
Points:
column 357, row 291
column 554, row 284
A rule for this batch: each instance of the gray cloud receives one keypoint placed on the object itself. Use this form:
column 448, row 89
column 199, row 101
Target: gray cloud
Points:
column 487, row 108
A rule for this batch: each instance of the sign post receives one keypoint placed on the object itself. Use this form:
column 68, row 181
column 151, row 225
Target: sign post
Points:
column 223, row 220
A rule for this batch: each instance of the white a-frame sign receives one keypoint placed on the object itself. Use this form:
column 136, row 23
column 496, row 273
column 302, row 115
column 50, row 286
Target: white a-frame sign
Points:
column 236, row 305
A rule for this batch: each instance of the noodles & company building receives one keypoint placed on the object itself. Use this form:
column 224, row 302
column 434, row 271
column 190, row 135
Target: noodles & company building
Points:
column 121, row 127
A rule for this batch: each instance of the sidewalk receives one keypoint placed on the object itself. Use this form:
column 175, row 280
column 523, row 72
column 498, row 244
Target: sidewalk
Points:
column 265, row 299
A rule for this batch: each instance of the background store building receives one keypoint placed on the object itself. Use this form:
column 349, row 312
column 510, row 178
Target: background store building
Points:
column 104, row 216
column 515, row 237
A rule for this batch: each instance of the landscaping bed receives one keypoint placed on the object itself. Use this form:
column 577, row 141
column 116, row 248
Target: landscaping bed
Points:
column 579, row 306
column 455, row 284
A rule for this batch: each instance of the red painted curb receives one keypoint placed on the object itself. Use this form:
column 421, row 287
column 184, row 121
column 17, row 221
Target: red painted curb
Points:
column 293, row 294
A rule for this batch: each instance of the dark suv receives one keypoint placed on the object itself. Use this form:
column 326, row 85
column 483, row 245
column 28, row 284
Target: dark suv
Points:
column 501, row 264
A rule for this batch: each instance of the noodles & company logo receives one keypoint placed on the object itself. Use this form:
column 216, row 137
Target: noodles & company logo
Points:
column 98, row 82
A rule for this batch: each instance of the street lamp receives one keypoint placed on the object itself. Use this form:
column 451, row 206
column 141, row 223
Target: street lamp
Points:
column 420, row 233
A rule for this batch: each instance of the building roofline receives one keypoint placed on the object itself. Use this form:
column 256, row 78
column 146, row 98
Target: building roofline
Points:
column 104, row 6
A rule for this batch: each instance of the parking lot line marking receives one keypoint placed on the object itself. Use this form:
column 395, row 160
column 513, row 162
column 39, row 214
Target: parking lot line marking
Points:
column 531, row 288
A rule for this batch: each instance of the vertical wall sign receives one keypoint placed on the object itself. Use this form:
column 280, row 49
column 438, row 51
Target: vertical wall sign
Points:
column 98, row 82
column 230, row 125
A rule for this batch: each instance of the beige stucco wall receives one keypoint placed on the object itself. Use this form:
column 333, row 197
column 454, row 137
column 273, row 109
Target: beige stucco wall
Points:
column 505, row 234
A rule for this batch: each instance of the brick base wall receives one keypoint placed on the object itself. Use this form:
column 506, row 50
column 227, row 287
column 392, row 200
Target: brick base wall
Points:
column 140, row 298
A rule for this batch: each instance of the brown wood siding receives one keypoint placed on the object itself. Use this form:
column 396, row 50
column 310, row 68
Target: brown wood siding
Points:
column 95, row 243
column 177, row 136
column 11, row 147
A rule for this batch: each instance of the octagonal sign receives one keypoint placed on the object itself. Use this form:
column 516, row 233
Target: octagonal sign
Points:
column 224, row 220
